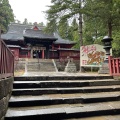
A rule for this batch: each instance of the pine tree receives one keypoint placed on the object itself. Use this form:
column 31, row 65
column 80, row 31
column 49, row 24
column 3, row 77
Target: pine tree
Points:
column 6, row 14
column 25, row 21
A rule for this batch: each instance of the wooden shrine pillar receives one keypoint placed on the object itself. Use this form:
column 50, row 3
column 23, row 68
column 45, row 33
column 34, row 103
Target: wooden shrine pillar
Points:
column 43, row 55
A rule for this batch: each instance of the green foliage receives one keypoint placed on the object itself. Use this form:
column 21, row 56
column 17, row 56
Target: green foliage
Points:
column 63, row 28
column 100, row 18
column 51, row 27
column 116, row 43
column 60, row 11
column 6, row 14
column 74, row 33
column 104, row 13
column 59, row 15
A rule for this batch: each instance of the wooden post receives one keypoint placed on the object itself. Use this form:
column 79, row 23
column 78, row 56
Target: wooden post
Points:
column 110, row 64
column 117, row 66
column 42, row 54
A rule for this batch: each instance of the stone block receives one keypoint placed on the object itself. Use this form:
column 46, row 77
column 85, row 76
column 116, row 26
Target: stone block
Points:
column 2, row 107
column 6, row 100
column 8, row 84
column 104, row 69
column 0, row 114
column 2, row 89
column 70, row 67
column 2, row 118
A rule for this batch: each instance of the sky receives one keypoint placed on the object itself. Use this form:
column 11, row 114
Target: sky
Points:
column 30, row 9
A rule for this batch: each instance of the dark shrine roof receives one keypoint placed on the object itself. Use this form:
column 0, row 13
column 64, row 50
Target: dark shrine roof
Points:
column 38, row 34
column 62, row 41
column 18, row 32
column 15, row 31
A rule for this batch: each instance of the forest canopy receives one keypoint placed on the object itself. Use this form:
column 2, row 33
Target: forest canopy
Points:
column 99, row 18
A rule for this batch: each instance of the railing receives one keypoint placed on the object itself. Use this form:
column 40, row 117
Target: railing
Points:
column 6, row 61
column 114, row 66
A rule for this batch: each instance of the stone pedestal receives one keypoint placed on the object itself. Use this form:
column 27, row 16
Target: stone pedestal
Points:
column 104, row 69
column 70, row 67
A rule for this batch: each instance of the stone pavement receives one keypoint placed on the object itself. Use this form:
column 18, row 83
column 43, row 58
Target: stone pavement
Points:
column 63, row 74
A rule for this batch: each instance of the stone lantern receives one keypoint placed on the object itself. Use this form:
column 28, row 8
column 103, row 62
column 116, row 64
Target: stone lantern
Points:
column 107, row 46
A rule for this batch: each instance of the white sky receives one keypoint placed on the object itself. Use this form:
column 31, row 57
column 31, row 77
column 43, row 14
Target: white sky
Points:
column 30, row 9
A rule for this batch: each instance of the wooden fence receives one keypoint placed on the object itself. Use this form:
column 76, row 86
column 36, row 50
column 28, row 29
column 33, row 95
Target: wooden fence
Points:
column 6, row 61
column 114, row 66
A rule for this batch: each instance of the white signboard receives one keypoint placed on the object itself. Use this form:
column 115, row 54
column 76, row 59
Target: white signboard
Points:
column 92, row 55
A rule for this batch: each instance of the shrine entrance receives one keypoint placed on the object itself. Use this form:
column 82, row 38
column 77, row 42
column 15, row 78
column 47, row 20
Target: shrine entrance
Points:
column 38, row 52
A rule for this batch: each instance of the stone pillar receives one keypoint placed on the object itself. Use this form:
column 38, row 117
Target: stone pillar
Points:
column 32, row 53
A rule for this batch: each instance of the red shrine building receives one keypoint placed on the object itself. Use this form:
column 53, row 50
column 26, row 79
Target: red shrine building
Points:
column 29, row 41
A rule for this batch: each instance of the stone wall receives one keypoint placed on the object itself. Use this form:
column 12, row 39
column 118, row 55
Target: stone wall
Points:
column 6, row 86
column 19, row 65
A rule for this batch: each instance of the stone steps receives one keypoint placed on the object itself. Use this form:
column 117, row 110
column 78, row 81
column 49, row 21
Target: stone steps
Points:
column 40, row 91
column 62, row 84
column 40, row 65
column 43, row 100
column 64, row 97
column 61, row 77
column 63, row 112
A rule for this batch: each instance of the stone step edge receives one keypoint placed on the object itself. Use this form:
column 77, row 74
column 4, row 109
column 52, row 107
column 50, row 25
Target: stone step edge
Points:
column 42, row 77
column 61, row 84
column 73, row 88
column 97, row 80
column 95, row 109
column 63, row 90
column 52, row 101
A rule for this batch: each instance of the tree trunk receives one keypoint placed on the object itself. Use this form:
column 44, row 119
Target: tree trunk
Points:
column 80, row 32
column 110, row 29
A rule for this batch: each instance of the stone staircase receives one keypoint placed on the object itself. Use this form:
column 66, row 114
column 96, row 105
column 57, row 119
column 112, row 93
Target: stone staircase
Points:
column 41, row 65
column 65, row 98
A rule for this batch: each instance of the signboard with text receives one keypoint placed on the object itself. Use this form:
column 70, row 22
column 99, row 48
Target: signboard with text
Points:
column 92, row 55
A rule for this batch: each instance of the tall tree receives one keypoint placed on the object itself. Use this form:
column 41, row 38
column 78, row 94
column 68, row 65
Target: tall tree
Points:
column 102, row 18
column 6, row 14
column 63, row 29
column 64, row 10
column 75, row 33
column 25, row 21
column 105, row 13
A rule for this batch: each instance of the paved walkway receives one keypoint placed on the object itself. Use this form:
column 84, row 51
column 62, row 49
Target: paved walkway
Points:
column 63, row 74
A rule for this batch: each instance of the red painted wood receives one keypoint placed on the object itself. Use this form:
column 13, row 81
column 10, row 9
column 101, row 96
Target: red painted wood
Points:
column 114, row 66
column 110, row 65
column 43, row 54
column 6, row 61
